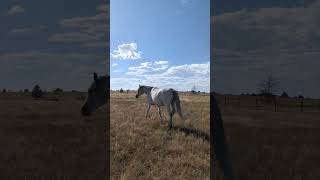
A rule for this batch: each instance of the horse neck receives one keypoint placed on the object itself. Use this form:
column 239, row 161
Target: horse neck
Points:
column 148, row 92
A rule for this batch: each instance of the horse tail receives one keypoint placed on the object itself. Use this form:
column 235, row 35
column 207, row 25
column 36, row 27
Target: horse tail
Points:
column 176, row 104
column 220, row 146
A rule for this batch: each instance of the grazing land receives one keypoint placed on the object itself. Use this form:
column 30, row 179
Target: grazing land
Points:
column 48, row 138
column 143, row 149
column 264, row 144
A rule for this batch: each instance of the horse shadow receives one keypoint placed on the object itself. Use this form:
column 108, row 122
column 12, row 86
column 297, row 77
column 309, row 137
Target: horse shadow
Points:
column 192, row 131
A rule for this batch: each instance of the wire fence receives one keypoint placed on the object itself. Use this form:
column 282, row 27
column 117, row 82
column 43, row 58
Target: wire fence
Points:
column 276, row 104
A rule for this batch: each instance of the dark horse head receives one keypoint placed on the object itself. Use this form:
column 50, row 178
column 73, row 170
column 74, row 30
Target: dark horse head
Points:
column 98, row 94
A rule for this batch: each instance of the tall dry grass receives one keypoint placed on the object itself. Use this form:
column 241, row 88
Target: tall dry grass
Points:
column 48, row 138
column 143, row 149
column 268, row 145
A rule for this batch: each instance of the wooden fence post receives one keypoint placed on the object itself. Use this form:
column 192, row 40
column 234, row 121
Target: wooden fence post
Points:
column 301, row 105
column 225, row 100
column 313, row 104
column 275, row 105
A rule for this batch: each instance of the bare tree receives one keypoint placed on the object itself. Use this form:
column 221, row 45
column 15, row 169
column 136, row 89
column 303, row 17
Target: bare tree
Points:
column 193, row 89
column 268, row 87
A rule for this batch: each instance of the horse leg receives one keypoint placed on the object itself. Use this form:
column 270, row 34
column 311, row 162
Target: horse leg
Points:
column 148, row 110
column 171, row 114
column 173, row 109
column 159, row 111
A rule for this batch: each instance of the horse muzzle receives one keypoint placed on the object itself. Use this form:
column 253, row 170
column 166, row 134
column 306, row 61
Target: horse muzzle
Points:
column 85, row 111
column 137, row 96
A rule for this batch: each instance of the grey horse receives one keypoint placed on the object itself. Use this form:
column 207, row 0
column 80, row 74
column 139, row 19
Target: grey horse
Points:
column 162, row 97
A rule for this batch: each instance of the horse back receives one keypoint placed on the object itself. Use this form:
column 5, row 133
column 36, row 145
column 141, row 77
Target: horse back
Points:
column 162, row 96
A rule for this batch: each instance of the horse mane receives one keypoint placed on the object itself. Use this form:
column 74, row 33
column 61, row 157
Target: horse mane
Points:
column 148, row 87
column 105, row 76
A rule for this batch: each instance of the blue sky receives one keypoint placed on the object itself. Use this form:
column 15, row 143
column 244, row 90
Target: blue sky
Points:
column 164, row 43
column 254, row 38
column 52, row 43
column 160, row 43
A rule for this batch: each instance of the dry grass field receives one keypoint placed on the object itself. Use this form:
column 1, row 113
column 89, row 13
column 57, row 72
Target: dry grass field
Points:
column 48, row 138
column 143, row 149
column 268, row 145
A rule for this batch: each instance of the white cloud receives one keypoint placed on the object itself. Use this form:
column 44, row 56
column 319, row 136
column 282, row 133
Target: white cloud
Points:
column 46, row 57
column 89, row 24
column 250, row 42
column 148, row 67
column 126, row 51
column 116, row 71
column 183, row 5
column 34, row 29
column 185, row 2
column 90, row 28
column 182, row 77
column 45, row 67
column 97, row 44
column 268, row 29
column 16, row 9
column 114, row 64
column 88, row 31
column 161, row 62
column 193, row 69
column 72, row 37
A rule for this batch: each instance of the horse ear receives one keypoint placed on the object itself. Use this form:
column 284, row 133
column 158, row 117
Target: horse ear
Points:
column 95, row 76
column 139, row 85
